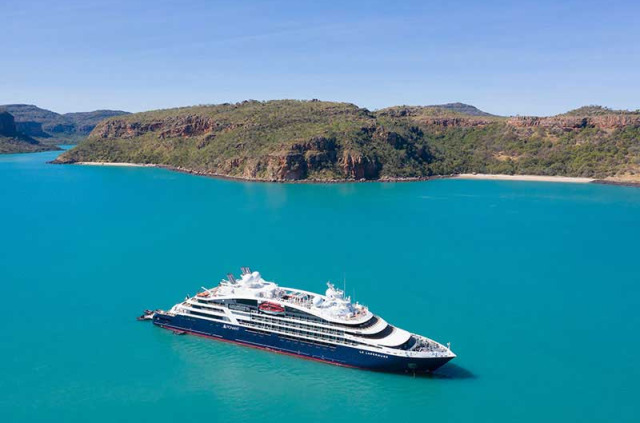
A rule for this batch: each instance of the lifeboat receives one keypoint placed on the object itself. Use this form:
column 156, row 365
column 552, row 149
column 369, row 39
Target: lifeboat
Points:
column 271, row 308
column 202, row 294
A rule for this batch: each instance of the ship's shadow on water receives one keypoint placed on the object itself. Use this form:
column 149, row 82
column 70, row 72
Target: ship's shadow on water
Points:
column 449, row 371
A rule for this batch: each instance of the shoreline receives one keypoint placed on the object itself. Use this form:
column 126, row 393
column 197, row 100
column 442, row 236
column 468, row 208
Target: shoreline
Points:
column 117, row 164
column 532, row 178
column 540, row 178
column 469, row 176
column 244, row 179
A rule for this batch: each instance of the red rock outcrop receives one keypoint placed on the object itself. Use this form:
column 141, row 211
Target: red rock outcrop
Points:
column 356, row 166
column 576, row 122
column 184, row 126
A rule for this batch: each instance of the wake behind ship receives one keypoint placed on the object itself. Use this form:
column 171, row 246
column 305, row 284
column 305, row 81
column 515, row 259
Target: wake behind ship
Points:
column 329, row 328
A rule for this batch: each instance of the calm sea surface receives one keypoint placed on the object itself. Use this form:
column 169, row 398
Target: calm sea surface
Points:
column 536, row 286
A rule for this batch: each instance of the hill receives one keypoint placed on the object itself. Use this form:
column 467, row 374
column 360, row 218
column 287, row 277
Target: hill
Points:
column 594, row 110
column 13, row 141
column 54, row 128
column 314, row 140
column 461, row 108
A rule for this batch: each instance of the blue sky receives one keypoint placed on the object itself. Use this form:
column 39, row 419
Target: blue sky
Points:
column 540, row 57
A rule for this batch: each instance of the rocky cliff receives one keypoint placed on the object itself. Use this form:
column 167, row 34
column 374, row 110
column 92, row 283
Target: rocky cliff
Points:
column 291, row 140
column 54, row 128
column 7, row 125
column 280, row 141
column 169, row 127
column 13, row 141
column 607, row 122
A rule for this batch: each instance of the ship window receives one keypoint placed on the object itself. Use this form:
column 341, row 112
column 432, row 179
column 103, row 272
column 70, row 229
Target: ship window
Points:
column 407, row 345
column 382, row 334
column 207, row 308
column 210, row 316
column 258, row 331
column 253, row 303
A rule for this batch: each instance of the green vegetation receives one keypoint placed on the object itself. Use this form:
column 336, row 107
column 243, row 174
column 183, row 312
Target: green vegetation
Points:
column 52, row 128
column 13, row 141
column 501, row 149
column 291, row 140
column 451, row 110
column 594, row 110
column 11, row 145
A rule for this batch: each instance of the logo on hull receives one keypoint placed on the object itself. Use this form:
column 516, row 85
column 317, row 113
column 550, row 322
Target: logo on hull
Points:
column 374, row 354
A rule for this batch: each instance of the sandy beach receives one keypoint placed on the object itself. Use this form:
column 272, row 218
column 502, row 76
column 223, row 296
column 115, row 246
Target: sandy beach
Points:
column 114, row 164
column 525, row 178
column 628, row 181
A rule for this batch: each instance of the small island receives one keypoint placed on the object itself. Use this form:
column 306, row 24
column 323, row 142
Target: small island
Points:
column 320, row 141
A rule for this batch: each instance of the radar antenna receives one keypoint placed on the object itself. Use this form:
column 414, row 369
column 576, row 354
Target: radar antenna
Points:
column 344, row 285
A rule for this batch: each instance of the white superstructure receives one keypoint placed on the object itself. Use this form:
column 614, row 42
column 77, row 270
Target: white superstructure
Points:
column 331, row 319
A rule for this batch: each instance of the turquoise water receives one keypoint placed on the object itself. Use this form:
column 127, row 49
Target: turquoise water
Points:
column 536, row 286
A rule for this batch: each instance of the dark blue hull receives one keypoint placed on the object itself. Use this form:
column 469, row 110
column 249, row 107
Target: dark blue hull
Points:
column 334, row 354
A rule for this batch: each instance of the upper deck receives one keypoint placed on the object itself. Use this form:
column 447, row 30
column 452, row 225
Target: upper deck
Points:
column 333, row 306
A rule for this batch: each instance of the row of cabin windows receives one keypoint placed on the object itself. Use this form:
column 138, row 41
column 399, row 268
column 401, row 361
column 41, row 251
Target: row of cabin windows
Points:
column 332, row 335
column 322, row 336
column 382, row 334
column 329, row 336
column 293, row 338
column 297, row 314
column 253, row 304
column 300, row 315
column 209, row 316
column 301, row 332
column 308, row 341
column 218, row 309
column 297, row 325
column 320, row 321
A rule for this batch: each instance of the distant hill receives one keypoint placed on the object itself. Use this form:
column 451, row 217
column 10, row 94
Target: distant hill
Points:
column 54, row 128
column 598, row 111
column 465, row 109
column 13, row 141
column 451, row 110
column 285, row 140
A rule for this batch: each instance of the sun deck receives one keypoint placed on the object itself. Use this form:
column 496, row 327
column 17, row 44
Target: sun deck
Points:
column 333, row 307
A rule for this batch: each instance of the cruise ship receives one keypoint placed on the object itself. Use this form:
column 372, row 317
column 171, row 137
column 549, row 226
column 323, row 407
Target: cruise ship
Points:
column 329, row 328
